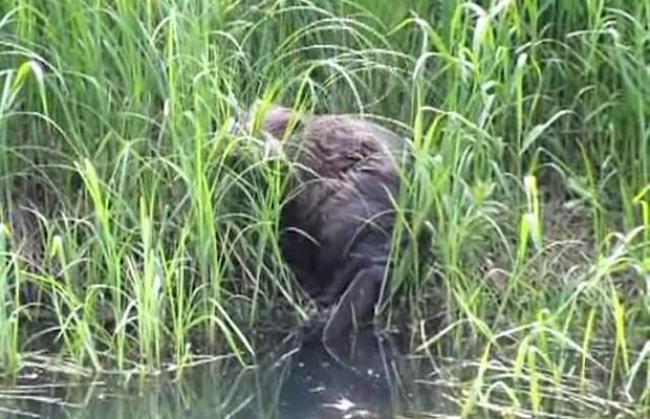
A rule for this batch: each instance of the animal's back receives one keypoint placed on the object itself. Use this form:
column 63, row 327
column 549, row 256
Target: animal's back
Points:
column 334, row 145
column 338, row 220
column 343, row 190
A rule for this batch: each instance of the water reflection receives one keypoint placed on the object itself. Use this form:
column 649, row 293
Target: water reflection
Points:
column 349, row 378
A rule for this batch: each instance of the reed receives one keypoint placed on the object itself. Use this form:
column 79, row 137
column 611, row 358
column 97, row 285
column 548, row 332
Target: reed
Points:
column 136, row 231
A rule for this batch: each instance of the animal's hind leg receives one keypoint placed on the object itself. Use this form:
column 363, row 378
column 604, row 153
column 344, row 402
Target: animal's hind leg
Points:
column 357, row 305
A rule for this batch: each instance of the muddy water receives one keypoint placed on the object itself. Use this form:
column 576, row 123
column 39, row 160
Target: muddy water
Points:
column 364, row 378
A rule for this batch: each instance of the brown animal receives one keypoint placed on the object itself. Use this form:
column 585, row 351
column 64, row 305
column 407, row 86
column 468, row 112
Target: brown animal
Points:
column 338, row 221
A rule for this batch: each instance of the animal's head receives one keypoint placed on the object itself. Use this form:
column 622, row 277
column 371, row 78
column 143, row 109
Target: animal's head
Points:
column 277, row 120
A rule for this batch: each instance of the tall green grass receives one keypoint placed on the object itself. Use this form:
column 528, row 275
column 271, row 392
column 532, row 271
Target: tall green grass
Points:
column 145, row 233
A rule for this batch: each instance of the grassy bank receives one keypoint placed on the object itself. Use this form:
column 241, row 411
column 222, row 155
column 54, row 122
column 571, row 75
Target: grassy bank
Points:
column 135, row 232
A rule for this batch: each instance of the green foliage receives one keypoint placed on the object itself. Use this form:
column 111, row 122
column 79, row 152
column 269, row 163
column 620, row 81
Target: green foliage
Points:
column 147, row 232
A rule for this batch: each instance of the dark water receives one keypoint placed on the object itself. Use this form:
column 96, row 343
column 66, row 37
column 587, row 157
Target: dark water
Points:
column 362, row 378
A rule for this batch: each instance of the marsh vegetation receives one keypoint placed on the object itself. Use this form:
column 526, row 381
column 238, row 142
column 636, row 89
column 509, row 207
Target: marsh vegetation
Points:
column 138, row 235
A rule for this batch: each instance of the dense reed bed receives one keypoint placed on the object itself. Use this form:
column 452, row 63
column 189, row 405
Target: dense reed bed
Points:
column 136, row 232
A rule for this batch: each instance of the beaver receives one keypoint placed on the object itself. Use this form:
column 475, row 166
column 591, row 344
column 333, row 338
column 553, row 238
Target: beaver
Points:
column 337, row 221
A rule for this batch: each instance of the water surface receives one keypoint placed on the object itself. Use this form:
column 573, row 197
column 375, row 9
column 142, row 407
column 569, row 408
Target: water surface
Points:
column 367, row 377
column 361, row 378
